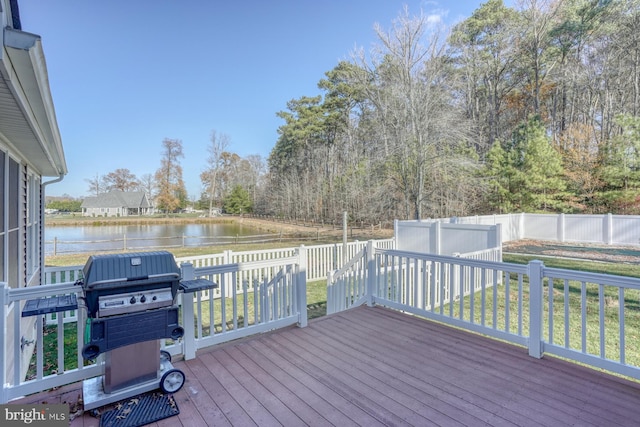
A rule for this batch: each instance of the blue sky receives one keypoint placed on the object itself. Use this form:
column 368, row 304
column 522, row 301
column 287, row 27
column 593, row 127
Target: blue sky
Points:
column 126, row 74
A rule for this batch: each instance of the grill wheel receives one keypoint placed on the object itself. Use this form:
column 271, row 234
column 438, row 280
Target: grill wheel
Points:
column 172, row 381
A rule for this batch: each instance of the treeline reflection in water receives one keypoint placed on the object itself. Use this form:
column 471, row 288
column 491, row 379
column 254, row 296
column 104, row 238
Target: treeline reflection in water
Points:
column 80, row 239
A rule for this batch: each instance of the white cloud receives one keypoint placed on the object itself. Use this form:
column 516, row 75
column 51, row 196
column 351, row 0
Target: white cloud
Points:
column 434, row 19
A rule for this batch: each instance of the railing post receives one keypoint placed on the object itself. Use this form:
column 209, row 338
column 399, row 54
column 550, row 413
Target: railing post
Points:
column 535, row 309
column 371, row 273
column 301, row 284
column 228, row 286
column 189, row 339
column 330, row 293
column 4, row 294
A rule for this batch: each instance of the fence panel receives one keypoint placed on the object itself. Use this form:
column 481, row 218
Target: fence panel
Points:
column 625, row 229
column 582, row 228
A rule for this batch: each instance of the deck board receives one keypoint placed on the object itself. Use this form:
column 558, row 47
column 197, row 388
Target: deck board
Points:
column 374, row 366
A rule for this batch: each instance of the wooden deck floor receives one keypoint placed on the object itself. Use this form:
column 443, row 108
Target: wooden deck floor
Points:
column 373, row 366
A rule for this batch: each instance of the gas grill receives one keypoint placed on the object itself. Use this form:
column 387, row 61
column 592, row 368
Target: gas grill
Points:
column 130, row 298
column 131, row 304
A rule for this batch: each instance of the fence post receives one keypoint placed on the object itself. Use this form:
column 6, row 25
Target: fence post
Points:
column 561, row 228
column 535, row 309
column 521, row 226
column 437, row 238
column 189, row 348
column 371, row 272
column 301, row 284
column 608, row 229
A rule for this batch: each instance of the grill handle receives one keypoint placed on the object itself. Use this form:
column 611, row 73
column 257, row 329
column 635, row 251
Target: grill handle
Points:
column 131, row 279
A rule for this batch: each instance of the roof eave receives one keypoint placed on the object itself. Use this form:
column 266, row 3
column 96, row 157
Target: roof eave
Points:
column 24, row 69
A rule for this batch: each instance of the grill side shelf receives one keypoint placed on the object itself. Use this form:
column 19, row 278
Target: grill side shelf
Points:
column 190, row 286
column 46, row 305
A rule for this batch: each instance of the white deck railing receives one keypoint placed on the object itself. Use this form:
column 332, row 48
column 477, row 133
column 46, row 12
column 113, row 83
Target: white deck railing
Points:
column 586, row 317
column 321, row 260
column 255, row 296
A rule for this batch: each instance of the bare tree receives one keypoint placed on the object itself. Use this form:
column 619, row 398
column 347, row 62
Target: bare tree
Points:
column 413, row 97
column 121, row 179
column 210, row 175
column 171, row 190
column 97, row 185
column 147, row 184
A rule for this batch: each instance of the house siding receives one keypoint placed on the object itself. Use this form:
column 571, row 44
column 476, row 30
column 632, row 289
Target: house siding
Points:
column 20, row 231
column 117, row 203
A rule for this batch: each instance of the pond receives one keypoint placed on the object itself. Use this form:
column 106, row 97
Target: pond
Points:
column 79, row 239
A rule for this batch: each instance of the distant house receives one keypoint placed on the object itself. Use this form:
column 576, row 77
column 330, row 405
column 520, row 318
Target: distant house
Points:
column 30, row 150
column 117, row 203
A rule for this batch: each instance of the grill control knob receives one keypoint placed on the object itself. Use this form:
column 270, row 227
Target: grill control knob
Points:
column 143, row 299
column 132, row 300
column 154, row 298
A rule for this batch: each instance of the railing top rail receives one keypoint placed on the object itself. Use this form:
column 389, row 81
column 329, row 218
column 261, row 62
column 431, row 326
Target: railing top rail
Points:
column 43, row 291
column 246, row 266
column 492, row 265
column 589, row 277
column 361, row 254
column 481, row 251
column 63, row 268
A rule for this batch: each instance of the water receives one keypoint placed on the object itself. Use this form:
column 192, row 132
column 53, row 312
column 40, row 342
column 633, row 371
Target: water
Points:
column 80, row 239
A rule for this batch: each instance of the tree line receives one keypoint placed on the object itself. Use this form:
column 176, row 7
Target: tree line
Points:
column 226, row 179
column 532, row 108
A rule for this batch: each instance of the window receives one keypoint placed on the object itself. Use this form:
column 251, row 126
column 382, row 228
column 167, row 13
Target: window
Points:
column 33, row 225
column 19, row 223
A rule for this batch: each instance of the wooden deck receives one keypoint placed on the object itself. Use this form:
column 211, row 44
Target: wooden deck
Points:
column 373, row 366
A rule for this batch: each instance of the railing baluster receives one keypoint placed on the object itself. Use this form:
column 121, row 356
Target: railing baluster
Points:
column 507, row 301
column 601, row 319
column 567, row 338
column 520, row 302
column 583, row 315
column 551, row 308
column 621, row 337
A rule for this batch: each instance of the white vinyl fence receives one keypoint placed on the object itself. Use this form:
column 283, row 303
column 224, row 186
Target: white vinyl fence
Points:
column 439, row 238
column 601, row 229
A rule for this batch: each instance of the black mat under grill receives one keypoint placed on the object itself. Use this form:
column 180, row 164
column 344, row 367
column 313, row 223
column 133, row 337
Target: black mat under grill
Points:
column 140, row 410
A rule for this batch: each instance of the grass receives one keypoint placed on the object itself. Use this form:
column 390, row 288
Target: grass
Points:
column 619, row 269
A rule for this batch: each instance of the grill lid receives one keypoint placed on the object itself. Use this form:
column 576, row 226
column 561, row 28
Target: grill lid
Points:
column 135, row 277
column 120, row 270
